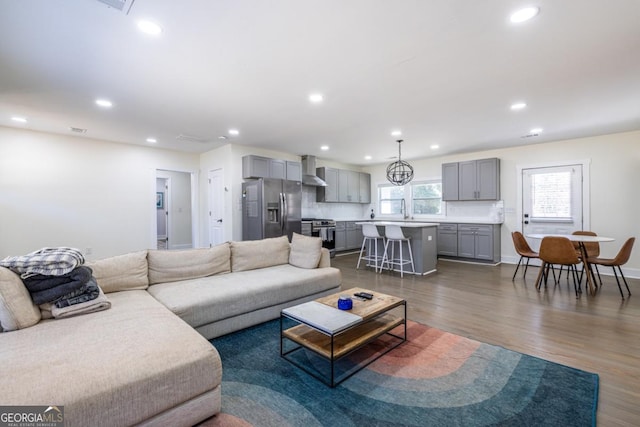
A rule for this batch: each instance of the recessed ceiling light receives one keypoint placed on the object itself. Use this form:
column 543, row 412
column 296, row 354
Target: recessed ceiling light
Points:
column 434, row 146
column 396, row 133
column 324, row 148
column 149, row 27
column 367, row 157
column 152, row 140
column 316, row 98
column 19, row 119
column 234, row 132
column 524, row 14
column 104, row 103
column 536, row 130
column 518, row 106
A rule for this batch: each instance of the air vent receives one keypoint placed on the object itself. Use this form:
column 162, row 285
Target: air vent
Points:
column 190, row 138
column 123, row 6
column 77, row 130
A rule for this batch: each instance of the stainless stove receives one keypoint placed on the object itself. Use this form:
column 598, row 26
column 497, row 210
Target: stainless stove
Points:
column 323, row 228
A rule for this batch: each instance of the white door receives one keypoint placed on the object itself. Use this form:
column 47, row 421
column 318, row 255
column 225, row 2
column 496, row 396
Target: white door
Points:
column 216, row 207
column 552, row 201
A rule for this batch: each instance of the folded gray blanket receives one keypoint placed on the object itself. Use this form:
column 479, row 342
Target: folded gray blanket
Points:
column 45, row 289
column 87, row 292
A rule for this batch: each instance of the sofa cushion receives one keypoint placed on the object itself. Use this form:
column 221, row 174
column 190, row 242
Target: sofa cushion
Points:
column 252, row 254
column 171, row 266
column 305, row 251
column 115, row 367
column 17, row 310
column 122, row 272
column 209, row 299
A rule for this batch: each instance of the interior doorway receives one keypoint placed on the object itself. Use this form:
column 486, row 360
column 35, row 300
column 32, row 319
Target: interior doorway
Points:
column 553, row 199
column 177, row 207
column 162, row 213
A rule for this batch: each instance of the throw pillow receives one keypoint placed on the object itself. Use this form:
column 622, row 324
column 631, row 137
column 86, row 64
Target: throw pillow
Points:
column 17, row 310
column 122, row 272
column 175, row 265
column 253, row 254
column 305, row 251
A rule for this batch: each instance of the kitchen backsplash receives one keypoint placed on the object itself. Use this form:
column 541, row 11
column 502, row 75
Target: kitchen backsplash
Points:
column 492, row 210
column 489, row 210
column 313, row 209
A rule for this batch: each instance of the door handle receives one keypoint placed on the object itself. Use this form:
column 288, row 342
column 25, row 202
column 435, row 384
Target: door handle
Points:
column 220, row 220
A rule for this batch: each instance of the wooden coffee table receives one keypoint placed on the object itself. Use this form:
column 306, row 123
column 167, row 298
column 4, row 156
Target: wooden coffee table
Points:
column 320, row 327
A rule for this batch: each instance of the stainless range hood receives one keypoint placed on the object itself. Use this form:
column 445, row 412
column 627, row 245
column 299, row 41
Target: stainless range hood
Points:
column 309, row 176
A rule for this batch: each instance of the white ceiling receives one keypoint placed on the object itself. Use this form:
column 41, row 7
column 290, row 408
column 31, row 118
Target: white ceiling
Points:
column 443, row 71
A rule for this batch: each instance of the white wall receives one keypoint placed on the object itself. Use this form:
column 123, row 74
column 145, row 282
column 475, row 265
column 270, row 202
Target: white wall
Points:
column 614, row 179
column 73, row 191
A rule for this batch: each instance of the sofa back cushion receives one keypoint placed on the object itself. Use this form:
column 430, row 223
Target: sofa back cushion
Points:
column 122, row 272
column 17, row 310
column 172, row 266
column 305, row 251
column 253, row 254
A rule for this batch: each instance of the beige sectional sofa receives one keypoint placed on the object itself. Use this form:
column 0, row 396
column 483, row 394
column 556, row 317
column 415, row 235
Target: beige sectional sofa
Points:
column 146, row 360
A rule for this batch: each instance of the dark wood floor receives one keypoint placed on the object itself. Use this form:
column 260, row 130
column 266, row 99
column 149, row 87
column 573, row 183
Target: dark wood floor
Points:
column 598, row 333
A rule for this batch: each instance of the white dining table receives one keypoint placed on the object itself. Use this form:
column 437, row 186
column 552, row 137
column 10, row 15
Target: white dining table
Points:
column 581, row 240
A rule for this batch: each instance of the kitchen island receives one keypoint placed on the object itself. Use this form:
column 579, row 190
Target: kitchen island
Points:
column 424, row 245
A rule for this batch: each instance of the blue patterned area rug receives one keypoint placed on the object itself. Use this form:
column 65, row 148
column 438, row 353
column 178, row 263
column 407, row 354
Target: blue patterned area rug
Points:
column 434, row 379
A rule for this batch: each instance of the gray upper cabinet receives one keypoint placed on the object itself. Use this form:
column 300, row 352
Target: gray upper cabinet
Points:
column 450, row 181
column 330, row 192
column 294, row 171
column 348, row 186
column 264, row 167
column 475, row 180
column 277, row 169
column 365, row 188
column 343, row 186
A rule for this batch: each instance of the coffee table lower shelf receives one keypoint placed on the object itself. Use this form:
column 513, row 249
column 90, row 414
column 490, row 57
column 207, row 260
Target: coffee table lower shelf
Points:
column 334, row 347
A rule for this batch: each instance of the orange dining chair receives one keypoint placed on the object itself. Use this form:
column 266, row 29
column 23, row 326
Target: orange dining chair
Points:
column 558, row 250
column 524, row 250
column 621, row 259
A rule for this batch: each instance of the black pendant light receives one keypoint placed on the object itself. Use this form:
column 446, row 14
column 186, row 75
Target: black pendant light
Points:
column 399, row 172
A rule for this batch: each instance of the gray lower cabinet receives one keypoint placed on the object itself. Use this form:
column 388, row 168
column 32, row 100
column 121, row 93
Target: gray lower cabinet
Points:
column 448, row 239
column 348, row 236
column 470, row 241
column 477, row 241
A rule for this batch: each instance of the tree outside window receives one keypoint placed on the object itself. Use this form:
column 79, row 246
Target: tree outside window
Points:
column 426, row 198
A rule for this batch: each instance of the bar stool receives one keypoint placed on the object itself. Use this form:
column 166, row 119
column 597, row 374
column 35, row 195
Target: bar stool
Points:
column 394, row 235
column 371, row 237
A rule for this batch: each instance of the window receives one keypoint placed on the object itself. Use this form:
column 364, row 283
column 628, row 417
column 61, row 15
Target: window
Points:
column 390, row 199
column 551, row 195
column 422, row 198
column 426, row 198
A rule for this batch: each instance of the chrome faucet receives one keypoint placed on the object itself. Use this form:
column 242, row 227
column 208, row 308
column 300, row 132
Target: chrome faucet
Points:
column 403, row 209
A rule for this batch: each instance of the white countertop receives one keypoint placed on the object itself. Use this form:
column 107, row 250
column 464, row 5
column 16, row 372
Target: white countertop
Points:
column 414, row 224
column 454, row 220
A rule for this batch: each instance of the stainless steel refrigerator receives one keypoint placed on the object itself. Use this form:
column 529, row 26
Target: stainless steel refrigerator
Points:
column 271, row 208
